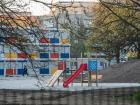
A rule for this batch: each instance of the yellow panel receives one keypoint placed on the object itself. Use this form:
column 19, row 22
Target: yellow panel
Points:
column 132, row 54
column 34, row 55
column 65, row 41
column 53, row 70
column 99, row 77
column 10, row 55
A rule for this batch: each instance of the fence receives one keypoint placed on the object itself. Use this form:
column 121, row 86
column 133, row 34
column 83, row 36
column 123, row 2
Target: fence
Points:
column 117, row 96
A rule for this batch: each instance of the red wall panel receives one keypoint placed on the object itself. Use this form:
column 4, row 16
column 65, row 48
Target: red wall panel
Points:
column 10, row 71
column 61, row 65
column 54, row 55
column 44, row 40
column 22, row 55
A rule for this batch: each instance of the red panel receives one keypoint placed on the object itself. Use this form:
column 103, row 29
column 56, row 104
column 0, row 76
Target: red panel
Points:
column 10, row 71
column 54, row 55
column 61, row 65
column 22, row 55
column 44, row 40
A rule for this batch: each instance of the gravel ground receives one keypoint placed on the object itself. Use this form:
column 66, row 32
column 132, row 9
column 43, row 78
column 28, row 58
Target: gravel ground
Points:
column 128, row 72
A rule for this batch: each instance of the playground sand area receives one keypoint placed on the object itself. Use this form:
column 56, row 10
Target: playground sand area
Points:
column 31, row 83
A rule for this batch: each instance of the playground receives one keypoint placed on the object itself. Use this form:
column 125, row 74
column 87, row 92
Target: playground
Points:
column 86, row 77
column 54, row 69
column 52, row 61
column 76, row 87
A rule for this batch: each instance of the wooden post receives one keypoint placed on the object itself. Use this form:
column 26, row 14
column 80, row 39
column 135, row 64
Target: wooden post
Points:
column 71, row 74
column 96, row 71
column 58, row 80
column 82, row 79
column 89, row 78
column 89, row 72
column 73, row 64
column 82, row 71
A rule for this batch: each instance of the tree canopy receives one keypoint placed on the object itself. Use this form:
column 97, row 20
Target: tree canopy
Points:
column 116, row 27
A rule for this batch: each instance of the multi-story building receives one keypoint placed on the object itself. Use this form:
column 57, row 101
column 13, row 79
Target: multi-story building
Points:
column 44, row 44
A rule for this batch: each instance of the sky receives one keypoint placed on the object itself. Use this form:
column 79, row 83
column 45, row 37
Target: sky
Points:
column 40, row 9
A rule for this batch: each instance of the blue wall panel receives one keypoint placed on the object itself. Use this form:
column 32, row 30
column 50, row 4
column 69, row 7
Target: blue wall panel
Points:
column 44, row 71
column 20, row 71
column 1, row 71
column 54, row 40
column 65, row 55
column 44, row 55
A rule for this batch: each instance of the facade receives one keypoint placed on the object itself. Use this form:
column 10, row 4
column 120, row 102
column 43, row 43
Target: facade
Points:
column 46, row 50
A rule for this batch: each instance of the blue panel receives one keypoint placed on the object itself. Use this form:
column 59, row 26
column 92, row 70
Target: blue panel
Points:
column 44, row 71
column 20, row 71
column 21, row 60
column 1, row 71
column 44, row 60
column 65, row 55
column 44, row 55
column 54, row 40
column 92, row 65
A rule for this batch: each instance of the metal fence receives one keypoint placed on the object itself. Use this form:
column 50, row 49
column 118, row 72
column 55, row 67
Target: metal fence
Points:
column 117, row 96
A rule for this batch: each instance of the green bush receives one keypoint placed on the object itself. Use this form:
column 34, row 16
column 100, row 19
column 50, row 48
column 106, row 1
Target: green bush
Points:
column 136, row 96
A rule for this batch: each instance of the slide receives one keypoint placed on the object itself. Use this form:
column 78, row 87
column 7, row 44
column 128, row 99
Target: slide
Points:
column 73, row 76
column 54, row 78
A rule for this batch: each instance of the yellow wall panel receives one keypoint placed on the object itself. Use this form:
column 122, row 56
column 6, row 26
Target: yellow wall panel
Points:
column 34, row 55
column 53, row 70
column 10, row 55
column 65, row 41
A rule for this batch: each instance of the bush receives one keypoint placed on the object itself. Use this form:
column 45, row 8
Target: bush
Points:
column 136, row 96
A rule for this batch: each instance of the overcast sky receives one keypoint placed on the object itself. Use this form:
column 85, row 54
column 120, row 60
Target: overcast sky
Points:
column 40, row 9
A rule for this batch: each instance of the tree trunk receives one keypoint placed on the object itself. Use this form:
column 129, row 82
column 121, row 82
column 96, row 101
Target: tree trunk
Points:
column 117, row 55
column 138, row 53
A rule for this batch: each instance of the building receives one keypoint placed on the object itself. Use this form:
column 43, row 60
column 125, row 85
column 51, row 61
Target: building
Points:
column 43, row 43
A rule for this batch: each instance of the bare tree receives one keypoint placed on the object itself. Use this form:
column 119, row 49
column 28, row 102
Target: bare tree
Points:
column 18, row 29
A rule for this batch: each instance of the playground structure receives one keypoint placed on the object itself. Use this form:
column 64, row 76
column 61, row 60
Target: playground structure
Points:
column 90, row 67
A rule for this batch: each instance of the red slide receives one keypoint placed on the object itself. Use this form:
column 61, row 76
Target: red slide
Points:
column 72, row 77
